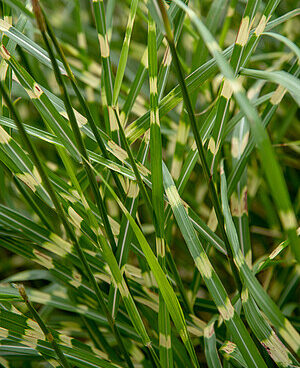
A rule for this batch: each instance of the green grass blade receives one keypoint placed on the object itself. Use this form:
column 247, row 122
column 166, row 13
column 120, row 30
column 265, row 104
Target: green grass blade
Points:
column 166, row 357
column 211, row 353
column 124, row 52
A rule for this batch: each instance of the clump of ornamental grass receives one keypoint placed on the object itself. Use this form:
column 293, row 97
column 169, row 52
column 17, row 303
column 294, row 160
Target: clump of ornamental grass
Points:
column 149, row 187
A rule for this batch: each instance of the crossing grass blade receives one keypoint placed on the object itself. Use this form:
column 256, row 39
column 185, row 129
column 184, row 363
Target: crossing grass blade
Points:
column 279, row 77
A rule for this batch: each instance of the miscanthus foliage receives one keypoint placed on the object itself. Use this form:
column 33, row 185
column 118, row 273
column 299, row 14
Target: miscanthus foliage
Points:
column 148, row 183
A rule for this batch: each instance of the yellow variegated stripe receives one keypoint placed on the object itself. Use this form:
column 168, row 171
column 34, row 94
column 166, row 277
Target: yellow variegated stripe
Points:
column 35, row 92
column 160, row 247
column 4, row 53
column 212, row 146
column 43, row 259
column 21, row 165
column 4, row 25
column 103, row 41
column 81, row 40
column 4, row 136
column 153, row 84
column 288, row 219
column 226, row 90
column 144, row 60
column 239, row 204
column 133, row 190
column 212, row 220
column 58, row 245
column 243, row 33
column 117, row 150
column 149, row 279
column 278, row 95
column 277, row 350
column 261, row 26
column 173, row 196
column 230, row 12
column 29, row 180
column 143, row 170
column 76, row 218
column 289, row 333
column 204, row 265
column 237, row 147
column 112, row 119
column 209, row 331
column 226, row 310
column 228, row 348
column 165, row 341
